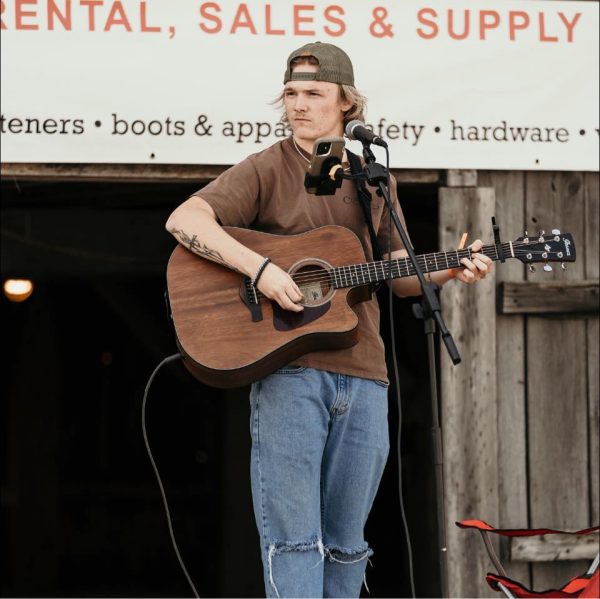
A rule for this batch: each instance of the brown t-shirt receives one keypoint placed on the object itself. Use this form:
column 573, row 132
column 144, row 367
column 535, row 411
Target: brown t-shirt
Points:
column 266, row 192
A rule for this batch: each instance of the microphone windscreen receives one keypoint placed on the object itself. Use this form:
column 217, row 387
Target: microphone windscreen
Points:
column 350, row 127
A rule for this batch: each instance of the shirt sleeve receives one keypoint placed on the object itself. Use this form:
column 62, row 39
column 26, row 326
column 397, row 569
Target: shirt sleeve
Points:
column 234, row 195
column 383, row 232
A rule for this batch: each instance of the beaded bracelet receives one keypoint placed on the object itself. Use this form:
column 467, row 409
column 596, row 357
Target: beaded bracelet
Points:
column 260, row 271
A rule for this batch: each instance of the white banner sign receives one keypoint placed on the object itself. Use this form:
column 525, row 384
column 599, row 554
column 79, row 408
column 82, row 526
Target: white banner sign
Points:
column 509, row 84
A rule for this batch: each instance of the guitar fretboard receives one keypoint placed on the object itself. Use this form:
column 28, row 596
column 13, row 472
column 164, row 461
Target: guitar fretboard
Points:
column 353, row 275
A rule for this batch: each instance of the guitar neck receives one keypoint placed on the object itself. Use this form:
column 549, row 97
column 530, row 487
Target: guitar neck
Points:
column 354, row 275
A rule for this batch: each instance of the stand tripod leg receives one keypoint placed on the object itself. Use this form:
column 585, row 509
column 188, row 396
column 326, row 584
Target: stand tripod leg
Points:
column 436, row 437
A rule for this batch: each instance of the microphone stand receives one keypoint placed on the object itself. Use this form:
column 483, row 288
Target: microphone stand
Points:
column 429, row 311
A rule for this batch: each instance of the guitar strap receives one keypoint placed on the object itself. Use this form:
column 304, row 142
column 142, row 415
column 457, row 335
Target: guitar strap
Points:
column 364, row 197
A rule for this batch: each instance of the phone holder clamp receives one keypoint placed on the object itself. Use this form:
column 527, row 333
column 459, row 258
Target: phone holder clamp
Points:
column 328, row 180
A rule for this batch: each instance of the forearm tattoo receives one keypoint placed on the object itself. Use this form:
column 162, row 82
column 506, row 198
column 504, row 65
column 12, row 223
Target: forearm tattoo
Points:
column 194, row 245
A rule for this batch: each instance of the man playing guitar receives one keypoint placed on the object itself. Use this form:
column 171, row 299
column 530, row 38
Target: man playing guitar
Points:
column 319, row 425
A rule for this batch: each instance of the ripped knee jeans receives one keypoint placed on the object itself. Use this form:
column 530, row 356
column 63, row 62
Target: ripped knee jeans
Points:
column 319, row 446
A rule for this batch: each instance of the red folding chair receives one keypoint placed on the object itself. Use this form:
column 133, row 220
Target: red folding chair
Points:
column 584, row 585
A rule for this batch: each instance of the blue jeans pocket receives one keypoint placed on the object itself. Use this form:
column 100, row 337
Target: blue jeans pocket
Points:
column 381, row 383
column 290, row 369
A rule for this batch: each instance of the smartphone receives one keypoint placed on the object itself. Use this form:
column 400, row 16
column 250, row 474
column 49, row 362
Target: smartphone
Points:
column 327, row 151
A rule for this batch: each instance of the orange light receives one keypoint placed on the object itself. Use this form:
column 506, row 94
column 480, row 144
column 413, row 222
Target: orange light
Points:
column 17, row 290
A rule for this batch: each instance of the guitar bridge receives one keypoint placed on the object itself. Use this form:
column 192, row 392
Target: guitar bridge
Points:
column 250, row 299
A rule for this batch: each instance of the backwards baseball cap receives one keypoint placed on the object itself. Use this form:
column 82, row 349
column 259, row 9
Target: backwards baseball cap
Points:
column 334, row 64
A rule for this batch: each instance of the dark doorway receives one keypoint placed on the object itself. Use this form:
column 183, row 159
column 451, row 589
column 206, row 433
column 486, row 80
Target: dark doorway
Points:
column 385, row 529
column 81, row 510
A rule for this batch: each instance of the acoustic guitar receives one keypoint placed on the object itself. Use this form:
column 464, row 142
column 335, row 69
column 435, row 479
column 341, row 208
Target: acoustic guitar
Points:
column 230, row 335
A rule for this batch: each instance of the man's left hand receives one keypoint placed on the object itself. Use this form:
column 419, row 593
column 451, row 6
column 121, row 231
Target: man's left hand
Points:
column 475, row 269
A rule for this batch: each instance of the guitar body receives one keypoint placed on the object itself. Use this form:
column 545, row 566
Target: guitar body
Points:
column 220, row 343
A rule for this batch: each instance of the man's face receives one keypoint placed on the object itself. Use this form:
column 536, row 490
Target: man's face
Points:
column 314, row 108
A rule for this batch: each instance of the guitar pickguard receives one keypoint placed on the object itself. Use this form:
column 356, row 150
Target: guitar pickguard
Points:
column 286, row 320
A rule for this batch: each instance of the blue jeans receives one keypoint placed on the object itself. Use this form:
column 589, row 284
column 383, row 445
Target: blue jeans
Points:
column 319, row 446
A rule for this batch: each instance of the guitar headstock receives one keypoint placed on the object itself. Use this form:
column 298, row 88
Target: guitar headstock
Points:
column 557, row 247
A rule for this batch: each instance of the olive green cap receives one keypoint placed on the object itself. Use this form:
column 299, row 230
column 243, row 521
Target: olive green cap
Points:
column 334, row 64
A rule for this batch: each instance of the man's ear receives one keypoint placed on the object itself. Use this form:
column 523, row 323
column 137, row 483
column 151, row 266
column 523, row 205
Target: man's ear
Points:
column 345, row 105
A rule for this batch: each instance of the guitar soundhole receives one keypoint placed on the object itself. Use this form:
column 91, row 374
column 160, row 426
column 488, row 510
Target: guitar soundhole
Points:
column 314, row 280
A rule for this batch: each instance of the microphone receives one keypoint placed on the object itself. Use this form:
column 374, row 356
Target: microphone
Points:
column 357, row 130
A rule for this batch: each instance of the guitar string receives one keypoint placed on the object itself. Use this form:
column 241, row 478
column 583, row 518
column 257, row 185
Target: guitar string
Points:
column 352, row 279
column 490, row 249
column 367, row 267
column 330, row 277
column 422, row 258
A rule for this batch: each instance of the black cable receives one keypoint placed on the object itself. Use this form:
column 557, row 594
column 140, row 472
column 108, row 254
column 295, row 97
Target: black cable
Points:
column 167, row 360
column 398, row 399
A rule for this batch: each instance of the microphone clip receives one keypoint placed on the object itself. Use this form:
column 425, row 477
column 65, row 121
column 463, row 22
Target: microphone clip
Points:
column 375, row 173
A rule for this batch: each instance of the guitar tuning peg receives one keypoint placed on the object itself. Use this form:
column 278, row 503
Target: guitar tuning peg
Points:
column 541, row 232
column 547, row 267
column 563, row 266
column 526, row 233
column 531, row 268
column 555, row 232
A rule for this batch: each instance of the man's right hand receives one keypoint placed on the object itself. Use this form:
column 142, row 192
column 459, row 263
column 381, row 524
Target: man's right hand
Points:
column 277, row 285
column 218, row 246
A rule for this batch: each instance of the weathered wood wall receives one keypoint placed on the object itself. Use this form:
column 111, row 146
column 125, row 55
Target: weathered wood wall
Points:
column 526, row 453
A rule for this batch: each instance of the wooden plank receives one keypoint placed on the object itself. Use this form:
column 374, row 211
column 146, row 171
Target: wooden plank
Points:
column 148, row 173
column 510, row 359
column 570, row 297
column 550, row 548
column 176, row 173
column 593, row 393
column 557, row 420
column 461, row 178
column 468, row 397
column 592, row 202
column 557, row 383
column 416, row 176
column 592, row 224
column 556, row 201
